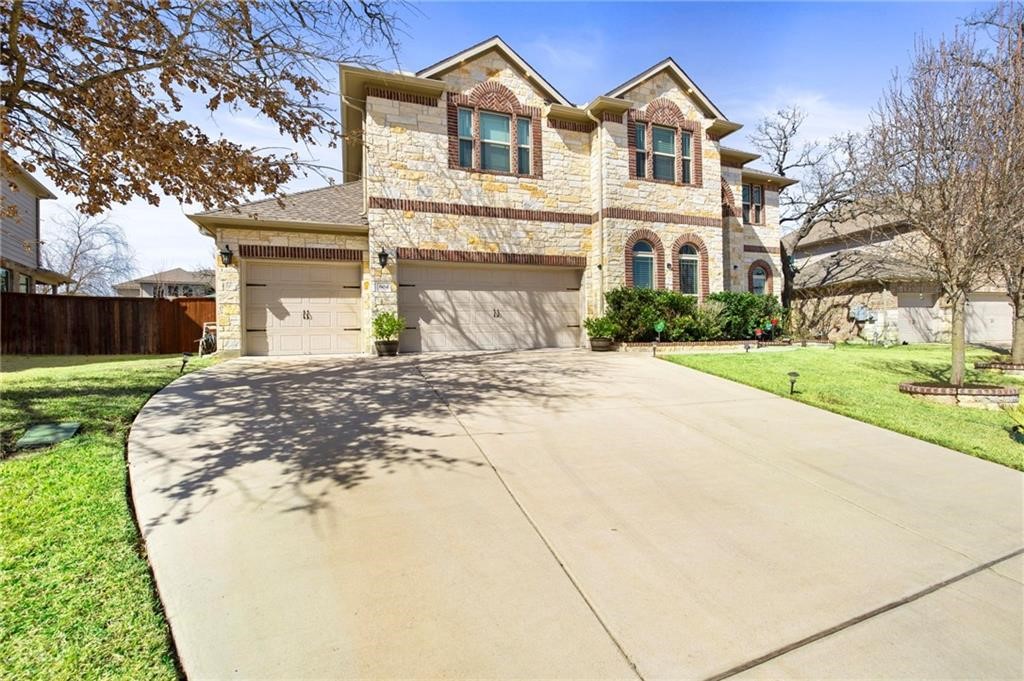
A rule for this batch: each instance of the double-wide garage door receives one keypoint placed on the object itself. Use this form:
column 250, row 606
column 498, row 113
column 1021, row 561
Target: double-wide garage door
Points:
column 989, row 318
column 302, row 309
column 488, row 307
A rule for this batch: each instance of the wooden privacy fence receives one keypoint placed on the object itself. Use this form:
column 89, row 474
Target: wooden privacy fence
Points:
column 33, row 324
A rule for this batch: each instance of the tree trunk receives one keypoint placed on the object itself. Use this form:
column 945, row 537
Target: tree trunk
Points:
column 958, row 342
column 1017, row 349
column 787, row 277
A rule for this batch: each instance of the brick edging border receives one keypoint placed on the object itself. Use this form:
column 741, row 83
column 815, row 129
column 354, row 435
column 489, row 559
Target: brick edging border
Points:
column 952, row 390
column 1002, row 366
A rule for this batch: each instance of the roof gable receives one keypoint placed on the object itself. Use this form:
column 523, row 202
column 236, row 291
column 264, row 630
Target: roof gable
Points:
column 495, row 44
column 670, row 67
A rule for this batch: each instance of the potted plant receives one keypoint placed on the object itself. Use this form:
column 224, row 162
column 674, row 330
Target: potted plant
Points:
column 601, row 331
column 386, row 328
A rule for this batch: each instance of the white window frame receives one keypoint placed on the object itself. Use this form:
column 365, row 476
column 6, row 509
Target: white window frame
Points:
column 463, row 138
column 640, row 140
column 524, row 145
column 689, row 258
column 647, row 255
column 685, row 160
column 508, row 147
column 655, row 154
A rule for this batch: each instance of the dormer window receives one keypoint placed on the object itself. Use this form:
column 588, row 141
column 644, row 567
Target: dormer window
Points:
column 664, row 145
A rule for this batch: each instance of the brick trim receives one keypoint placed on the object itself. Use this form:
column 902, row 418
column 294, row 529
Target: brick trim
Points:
column 651, row 216
column 749, row 248
column 417, row 206
column 666, row 113
column 729, row 209
column 480, row 257
column 571, row 126
column 300, row 253
column 702, row 255
column 406, row 97
column 609, row 117
column 769, row 276
column 493, row 96
column 659, row 256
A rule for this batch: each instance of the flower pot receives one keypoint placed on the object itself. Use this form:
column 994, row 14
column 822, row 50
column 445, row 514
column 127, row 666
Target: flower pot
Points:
column 386, row 348
column 601, row 344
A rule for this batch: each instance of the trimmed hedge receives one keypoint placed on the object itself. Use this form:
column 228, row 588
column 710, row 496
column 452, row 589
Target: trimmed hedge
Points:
column 723, row 316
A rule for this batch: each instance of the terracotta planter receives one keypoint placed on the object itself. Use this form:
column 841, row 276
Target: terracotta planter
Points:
column 386, row 348
column 601, row 344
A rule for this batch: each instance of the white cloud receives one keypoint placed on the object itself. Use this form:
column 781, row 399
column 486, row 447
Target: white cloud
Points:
column 826, row 117
column 569, row 61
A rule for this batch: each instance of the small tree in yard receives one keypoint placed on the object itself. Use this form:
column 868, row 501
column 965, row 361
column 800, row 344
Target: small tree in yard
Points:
column 92, row 252
column 92, row 92
column 941, row 159
column 826, row 171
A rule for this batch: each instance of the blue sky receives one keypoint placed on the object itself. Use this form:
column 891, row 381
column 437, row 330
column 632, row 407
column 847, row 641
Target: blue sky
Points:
column 832, row 59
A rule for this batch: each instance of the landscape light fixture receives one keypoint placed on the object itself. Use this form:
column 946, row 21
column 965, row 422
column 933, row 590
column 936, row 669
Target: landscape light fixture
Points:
column 382, row 257
column 226, row 255
column 746, row 346
column 185, row 357
column 793, row 375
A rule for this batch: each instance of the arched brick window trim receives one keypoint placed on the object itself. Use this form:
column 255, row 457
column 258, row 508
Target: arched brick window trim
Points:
column 667, row 113
column 728, row 201
column 702, row 253
column 769, row 276
column 493, row 96
column 659, row 256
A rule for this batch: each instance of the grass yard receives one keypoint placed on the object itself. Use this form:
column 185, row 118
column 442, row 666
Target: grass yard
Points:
column 862, row 382
column 76, row 597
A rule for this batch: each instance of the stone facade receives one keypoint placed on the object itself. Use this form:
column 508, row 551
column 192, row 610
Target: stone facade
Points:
column 578, row 201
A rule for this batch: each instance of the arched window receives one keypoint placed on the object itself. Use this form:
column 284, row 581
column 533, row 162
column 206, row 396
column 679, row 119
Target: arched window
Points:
column 758, row 280
column 643, row 265
column 689, row 270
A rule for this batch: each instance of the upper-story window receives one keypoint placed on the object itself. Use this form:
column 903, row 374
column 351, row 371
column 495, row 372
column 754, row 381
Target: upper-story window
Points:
column 465, row 138
column 753, row 204
column 489, row 130
column 5, row 279
column 524, row 140
column 664, row 145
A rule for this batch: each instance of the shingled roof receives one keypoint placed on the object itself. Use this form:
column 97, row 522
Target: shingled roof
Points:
column 339, row 204
column 854, row 266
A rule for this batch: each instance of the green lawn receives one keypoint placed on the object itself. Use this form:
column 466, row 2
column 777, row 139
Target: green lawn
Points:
column 76, row 597
column 861, row 382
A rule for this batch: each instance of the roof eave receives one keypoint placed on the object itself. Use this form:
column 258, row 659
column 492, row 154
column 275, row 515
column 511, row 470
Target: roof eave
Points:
column 208, row 223
column 721, row 127
column 770, row 179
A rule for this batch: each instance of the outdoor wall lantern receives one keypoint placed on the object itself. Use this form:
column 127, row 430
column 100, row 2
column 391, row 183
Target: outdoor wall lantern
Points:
column 226, row 254
column 383, row 258
column 793, row 375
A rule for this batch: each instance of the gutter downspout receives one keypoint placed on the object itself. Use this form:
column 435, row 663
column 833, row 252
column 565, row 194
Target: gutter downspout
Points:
column 366, row 190
column 600, row 212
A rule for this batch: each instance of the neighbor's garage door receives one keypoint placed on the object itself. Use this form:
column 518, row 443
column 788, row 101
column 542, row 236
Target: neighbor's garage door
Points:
column 488, row 307
column 301, row 309
column 989, row 318
column 916, row 317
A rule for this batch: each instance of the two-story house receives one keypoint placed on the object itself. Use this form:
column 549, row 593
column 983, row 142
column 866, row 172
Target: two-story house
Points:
column 21, row 262
column 493, row 213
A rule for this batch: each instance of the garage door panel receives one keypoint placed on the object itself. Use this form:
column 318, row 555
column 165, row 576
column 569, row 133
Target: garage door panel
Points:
column 286, row 293
column 453, row 307
column 989, row 318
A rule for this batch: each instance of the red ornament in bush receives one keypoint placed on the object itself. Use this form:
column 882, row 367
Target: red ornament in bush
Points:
column 758, row 332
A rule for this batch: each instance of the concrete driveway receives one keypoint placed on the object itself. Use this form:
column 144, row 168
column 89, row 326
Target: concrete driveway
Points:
column 563, row 515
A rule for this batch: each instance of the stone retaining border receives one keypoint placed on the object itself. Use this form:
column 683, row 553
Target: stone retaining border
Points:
column 1003, row 367
column 983, row 397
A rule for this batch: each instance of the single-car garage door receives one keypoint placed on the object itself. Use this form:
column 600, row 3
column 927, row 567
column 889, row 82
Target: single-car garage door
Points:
column 488, row 307
column 989, row 318
column 301, row 309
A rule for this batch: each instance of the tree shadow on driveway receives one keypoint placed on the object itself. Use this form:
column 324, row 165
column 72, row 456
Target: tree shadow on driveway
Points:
column 294, row 432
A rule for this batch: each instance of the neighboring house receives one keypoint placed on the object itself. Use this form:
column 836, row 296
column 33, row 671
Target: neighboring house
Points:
column 492, row 213
column 851, row 283
column 21, row 262
column 176, row 283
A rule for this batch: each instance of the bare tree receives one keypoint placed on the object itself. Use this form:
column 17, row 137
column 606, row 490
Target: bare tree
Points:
column 938, row 163
column 92, row 92
column 1004, row 25
column 826, row 171
column 92, row 252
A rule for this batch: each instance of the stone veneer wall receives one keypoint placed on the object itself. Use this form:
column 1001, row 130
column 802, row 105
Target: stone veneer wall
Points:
column 827, row 313
column 230, row 293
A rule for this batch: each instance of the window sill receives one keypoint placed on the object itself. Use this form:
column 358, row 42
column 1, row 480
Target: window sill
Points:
column 671, row 183
column 499, row 173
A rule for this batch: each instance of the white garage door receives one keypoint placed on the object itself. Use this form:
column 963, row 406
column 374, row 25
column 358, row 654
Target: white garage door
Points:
column 301, row 309
column 916, row 317
column 989, row 318
column 488, row 307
